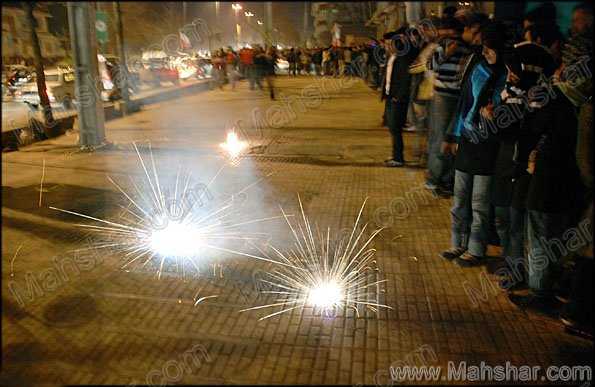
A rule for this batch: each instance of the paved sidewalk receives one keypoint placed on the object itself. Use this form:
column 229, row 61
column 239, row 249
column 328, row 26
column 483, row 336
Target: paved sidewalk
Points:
column 94, row 323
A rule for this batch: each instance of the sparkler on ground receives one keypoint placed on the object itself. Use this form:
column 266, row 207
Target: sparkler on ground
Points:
column 169, row 228
column 234, row 147
column 323, row 274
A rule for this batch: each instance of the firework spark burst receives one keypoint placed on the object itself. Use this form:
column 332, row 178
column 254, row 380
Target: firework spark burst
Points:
column 325, row 275
column 169, row 222
column 234, row 147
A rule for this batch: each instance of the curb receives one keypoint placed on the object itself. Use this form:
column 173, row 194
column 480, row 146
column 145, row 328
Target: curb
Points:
column 11, row 138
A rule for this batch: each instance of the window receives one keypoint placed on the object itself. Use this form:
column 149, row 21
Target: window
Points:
column 8, row 24
column 68, row 77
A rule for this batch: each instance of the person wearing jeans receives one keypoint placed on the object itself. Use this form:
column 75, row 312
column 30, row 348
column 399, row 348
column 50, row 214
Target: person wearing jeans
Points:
column 554, row 195
column 470, row 213
column 440, row 166
column 476, row 148
column 454, row 47
column 510, row 225
column 526, row 64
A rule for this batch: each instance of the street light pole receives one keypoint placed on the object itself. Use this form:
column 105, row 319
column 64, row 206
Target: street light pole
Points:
column 237, row 8
column 123, row 73
column 88, row 91
column 268, row 20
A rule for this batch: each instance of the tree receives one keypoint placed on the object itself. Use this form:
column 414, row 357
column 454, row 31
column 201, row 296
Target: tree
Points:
column 48, row 118
column 151, row 22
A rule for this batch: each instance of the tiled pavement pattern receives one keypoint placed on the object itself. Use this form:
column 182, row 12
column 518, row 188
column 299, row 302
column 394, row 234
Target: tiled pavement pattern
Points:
column 107, row 326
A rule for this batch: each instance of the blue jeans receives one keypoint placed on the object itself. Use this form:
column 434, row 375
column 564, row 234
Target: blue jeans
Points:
column 546, row 248
column 470, row 213
column 510, row 225
column 440, row 167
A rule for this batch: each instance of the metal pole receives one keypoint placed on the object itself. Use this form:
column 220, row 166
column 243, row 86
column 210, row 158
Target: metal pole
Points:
column 305, row 37
column 81, row 19
column 122, row 80
column 269, row 21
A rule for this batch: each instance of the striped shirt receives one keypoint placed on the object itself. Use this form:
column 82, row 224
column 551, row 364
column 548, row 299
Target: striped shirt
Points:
column 448, row 69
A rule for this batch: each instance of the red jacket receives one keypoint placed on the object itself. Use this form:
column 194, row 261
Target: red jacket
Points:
column 246, row 56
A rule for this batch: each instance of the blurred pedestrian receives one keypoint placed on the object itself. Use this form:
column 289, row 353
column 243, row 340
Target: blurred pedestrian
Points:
column 396, row 90
column 269, row 70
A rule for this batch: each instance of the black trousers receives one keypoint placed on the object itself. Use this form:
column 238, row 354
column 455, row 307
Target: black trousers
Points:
column 396, row 115
column 580, row 307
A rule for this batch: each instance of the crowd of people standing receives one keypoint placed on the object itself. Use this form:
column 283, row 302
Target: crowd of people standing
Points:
column 509, row 127
column 506, row 114
column 261, row 63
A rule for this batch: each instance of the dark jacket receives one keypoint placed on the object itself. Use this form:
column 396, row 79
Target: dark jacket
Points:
column 400, row 82
column 511, row 180
column 555, row 184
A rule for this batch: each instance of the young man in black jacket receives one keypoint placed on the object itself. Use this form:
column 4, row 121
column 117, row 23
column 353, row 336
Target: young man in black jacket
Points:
column 553, row 192
column 556, row 193
column 396, row 88
column 529, row 63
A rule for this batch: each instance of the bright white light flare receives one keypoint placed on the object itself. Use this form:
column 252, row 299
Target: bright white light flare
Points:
column 177, row 239
column 233, row 146
column 326, row 295
column 328, row 274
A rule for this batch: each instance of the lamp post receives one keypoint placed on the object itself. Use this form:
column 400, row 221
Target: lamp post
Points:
column 237, row 8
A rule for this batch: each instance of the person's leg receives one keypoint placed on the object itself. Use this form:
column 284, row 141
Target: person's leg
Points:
column 577, row 315
column 271, row 86
column 546, row 248
column 396, row 113
column 250, row 71
column 402, row 107
column 259, row 79
column 389, row 120
column 503, row 217
column 440, row 116
column 517, row 233
column 461, row 211
column 447, row 175
column 434, row 167
column 480, row 204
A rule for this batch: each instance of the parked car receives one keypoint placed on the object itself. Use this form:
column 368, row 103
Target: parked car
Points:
column 14, row 77
column 156, row 71
column 60, row 88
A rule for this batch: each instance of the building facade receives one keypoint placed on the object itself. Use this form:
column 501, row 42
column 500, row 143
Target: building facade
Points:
column 342, row 22
column 16, row 40
column 390, row 15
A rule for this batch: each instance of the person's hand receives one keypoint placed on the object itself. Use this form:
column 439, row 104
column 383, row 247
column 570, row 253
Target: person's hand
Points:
column 531, row 163
column 450, row 48
column 448, row 148
column 512, row 77
column 444, row 147
column 487, row 111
